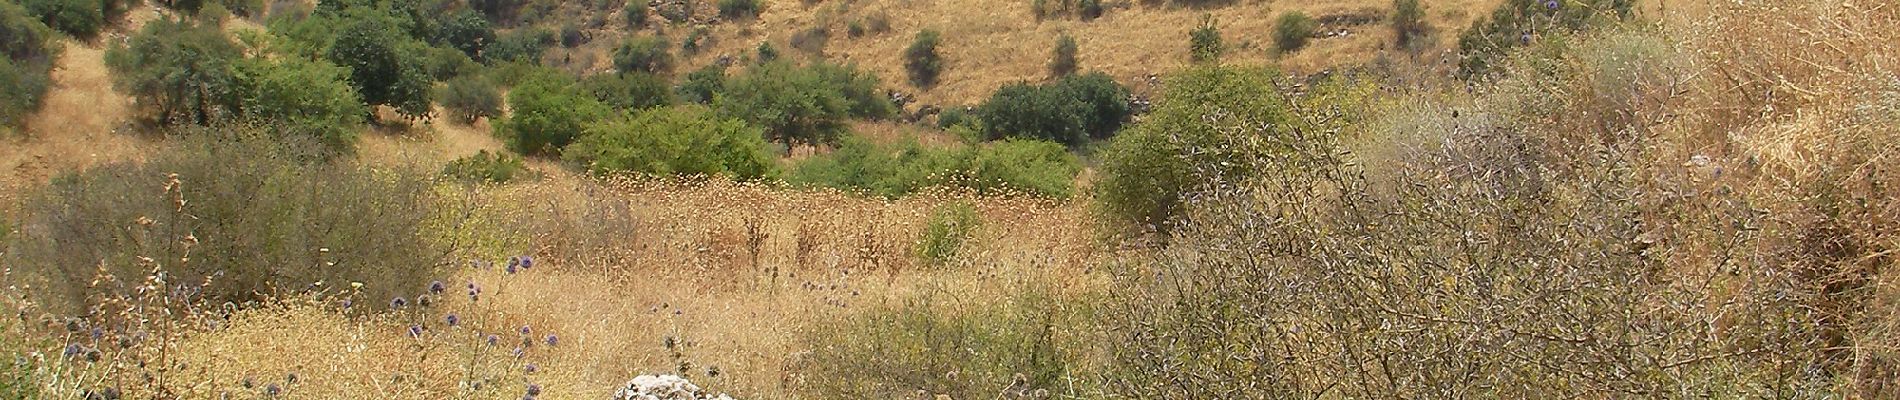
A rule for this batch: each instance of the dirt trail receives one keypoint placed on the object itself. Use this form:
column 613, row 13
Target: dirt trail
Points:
column 81, row 123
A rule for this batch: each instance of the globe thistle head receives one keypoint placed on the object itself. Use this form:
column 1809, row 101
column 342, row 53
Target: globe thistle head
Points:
column 436, row 287
column 534, row 390
column 514, row 261
column 415, row 331
column 528, row 261
column 525, row 330
column 1551, row 4
column 273, row 390
column 346, row 303
column 398, row 302
column 452, row 319
column 511, row 269
column 553, row 340
column 73, row 350
column 493, row 340
column 531, row 368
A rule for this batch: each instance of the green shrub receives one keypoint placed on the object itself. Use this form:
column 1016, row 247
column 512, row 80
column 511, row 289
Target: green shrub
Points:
column 304, row 98
column 1148, row 171
column 1062, row 60
column 79, row 18
column 468, row 98
column 794, row 105
column 1204, row 43
column 767, row 53
column 1512, row 24
column 1035, row 168
column 571, row 36
column 944, row 234
column 629, row 91
column 922, row 60
column 636, row 14
column 524, row 44
column 444, row 63
column 934, row 344
column 24, row 69
column 263, row 221
column 858, row 87
column 1292, row 30
column 1089, row 9
column 1068, row 111
column 643, row 54
column 699, row 38
column 385, row 64
column 21, row 88
column 180, row 73
column 955, row 116
column 703, row 84
column 684, row 140
column 740, row 8
column 486, row 167
column 549, row 111
column 1408, row 21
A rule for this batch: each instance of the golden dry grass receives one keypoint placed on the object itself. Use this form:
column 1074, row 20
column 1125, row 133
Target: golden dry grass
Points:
column 82, row 122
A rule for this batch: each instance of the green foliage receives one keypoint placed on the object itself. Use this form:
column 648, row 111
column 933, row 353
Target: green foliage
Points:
column 265, row 221
column 549, row 111
column 524, row 44
column 467, row 31
column 500, row 10
column 1517, row 23
column 643, row 54
column 859, row 89
column 385, row 66
column 571, row 36
column 1006, row 167
column 1069, row 111
column 684, row 140
column 1147, row 171
column 955, row 116
column 1408, row 21
column 1204, row 43
column 443, row 63
column 486, row 167
column 303, row 98
column 24, row 70
column 80, row 18
column 740, row 8
column 949, row 226
column 922, row 60
column 1292, row 30
column 468, row 98
column 699, row 38
column 794, row 105
column 767, row 53
column 1062, row 60
column 180, row 72
column 703, row 84
column 956, row 349
column 629, row 91
column 635, row 14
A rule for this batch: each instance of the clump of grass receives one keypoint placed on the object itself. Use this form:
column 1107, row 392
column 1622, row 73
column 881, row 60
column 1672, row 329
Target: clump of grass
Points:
column 483, row 166
column 947, row 231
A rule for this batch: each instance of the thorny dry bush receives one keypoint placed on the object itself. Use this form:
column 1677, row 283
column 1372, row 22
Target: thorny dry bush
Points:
column 1565, row 236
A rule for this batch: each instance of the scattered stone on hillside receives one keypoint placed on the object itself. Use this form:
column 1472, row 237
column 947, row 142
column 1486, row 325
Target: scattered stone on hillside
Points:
column 664, row 387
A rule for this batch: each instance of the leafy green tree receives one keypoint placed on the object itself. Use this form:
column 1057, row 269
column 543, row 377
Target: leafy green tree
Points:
column 303, row 97
column 701, row 85
column 80, row 18
column 629, row 91
column 469, row 32
column 682, row 140
column 549, row 111
column 384, row 66
column 24, row 42
column 1147, row 171
column 793, row 105
column 643, row 54
column 180, row 72
column 859, row 89
column 1068, row 111
column 1204, row 43
column 922, row 60
column 470, row 98
column 1292, row 30
column 524, row 44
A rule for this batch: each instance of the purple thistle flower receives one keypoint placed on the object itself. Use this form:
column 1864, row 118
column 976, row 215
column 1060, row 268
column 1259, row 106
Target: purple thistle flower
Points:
column 98, row 334
column 452, row 320
column 527, row 262
column 415, row 331
column 272, row 390
column 520, row 352
column 525, row 330
column 1525, row 38
column 436, row 287
column 492, row 340
column 553, row 340
column 73, row 350
column 1550, row 4
column 530, row 368
column 398, row 303
column 534, row 390
column 511, row 269
column 347, row 303
column 514, row 261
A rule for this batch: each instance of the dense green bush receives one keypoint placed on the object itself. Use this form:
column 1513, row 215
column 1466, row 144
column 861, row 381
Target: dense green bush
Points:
column 1036, row 168
column 629, row 90
column 304, row 98
column 524, row 44
column 181, row 73
column 1517, row 23
column 549, row 111
column 922, row 59
column 79, row 18
column 1148, row 171
column 697, row 39
column 794, row 105
column 740, row 8
column 1408, row 21
column 486, row 167
column 767, row 53
column 635, row 14
column 467, row 31
column 703, row 84
column 468, row 98
column 858, row 87
column 643, row 54
column 385, row 64
column 1070, row 110
column 1062, row 60
column 1292, row 30
column 444, row 63
column 1204, row 43
column 29, row 54
column 1012, row 348
column 683, row 140
column 247, row 210
column 949, row 227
